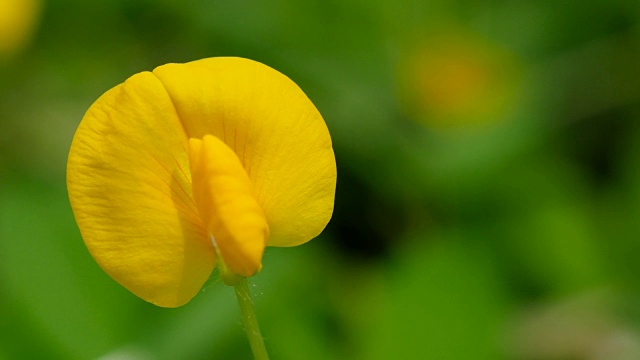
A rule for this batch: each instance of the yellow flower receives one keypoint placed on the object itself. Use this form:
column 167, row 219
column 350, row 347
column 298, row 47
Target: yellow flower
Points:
column 195, row 165
column 17, row 22
column 457, row 79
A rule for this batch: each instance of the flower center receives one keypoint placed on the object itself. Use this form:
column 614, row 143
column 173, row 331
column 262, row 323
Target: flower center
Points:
column 230, row 214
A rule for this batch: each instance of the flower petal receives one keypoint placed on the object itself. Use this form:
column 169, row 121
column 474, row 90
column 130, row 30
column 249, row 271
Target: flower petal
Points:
column 129, row 184
column 276, row 132
column 223, row 195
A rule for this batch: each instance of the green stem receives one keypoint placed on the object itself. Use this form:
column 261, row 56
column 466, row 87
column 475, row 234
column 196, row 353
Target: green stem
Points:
column 249, row 320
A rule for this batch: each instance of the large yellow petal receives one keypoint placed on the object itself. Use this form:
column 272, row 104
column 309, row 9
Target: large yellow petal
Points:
column 129, row 184
column 276, row 132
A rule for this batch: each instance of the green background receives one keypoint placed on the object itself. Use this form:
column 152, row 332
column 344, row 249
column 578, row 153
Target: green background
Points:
column 463, row 233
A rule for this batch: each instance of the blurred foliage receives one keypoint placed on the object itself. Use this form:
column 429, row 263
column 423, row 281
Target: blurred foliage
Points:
column 488, row 201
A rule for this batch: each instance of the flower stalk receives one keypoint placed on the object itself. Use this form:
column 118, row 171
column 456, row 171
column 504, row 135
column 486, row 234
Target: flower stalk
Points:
column 250, row 321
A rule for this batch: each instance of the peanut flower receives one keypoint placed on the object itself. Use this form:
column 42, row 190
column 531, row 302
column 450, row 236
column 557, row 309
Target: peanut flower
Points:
column 457, row 79
column 198, row 165
column 18, row 19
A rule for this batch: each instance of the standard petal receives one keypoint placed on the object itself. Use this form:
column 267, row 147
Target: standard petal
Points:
column 130, row 189
column 274, row 129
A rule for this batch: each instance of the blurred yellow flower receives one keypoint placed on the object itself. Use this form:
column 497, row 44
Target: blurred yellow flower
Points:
column 195, row 165
column 456, row 79
column 17, row 22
